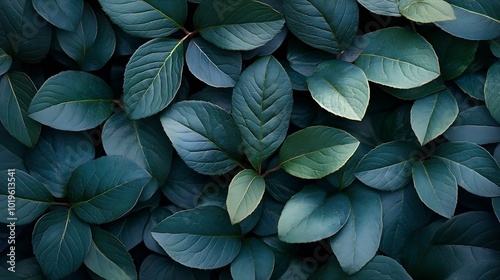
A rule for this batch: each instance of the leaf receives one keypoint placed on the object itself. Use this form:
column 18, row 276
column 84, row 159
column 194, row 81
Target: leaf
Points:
column 10, row 160
column 152, row 77
column 496, row 206
column 323, row 25
column 63, row 15
column 269, row 47
column 60, row 242
column 303, row 58
column 426, row 11
column 221, row 97
column 344, row 177
column 474, row 125
column 214, row 66
column 478, row 270
column 313, row 208
column 407, row 62
column 268, row 222
column 436, row 186
column 382, row 267
column 495, row 47
column 244, row 195
column 105, row 189
column 358, row 241
column 262, row 106
column 202, row 237
column 316, row 151
column 158, row 214
column 432, row 115
column 387, row 167
column 104, row 45
column 381, row 7
column 492, row 91
column 476, row 20
column 255, row 261
column 340, row 88
column 5, row 62
column 147, row 18
column 156, row 267
column 72, row 100
column 108, row 258
column 472, row 84
column 16, row 92
column 129, row 230
column 474, row 168
column 204, row 136
column 237, row 25
column 431, row 87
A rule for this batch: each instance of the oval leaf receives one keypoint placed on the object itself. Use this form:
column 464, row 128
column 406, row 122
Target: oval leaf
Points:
column 244, row 195
column 104, row 45
column 472, row 83
column 492, row 91
column 426, row 11
column 255, row 261
column 474, row 125
column 382, row 267
column 63, row 15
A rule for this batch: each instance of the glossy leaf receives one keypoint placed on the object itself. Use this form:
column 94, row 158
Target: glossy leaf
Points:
column 5, row 61
column 244, row 195
column 382, row 7
column 474, row 125
column 426, row 11
column 492, row 91
column 255, row 261
column 152, row 77
column 64, row 15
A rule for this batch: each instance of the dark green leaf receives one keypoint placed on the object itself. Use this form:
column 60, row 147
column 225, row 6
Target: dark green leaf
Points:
column 344, row 177
column 496, row 206
column 495, row 47
column 244, row 195
column 221, row 97
column 282, row 186
column 5, row 62
column 129, row 229
column 255, row 261
column 382, row 267
column 155, row 267
column 303, row 58
column 10, row 160
column 431, row 87
column 104, row 45
column 331, row 269
column 269, row 47
column 426, row 11
column 485, row 269
column 157, row 215
column 64, row 15
column 268, row 223
column 474, row 125
column 382, row 7
column 492, row 91
column 472, row 84
column 251, row 221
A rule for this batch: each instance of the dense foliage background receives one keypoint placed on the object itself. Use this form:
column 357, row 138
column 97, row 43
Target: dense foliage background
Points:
column 244, row 139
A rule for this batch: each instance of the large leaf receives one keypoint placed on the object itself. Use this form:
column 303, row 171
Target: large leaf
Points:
column 237, row 25
column 147, row 18
column 382, row 267
column 406, row 62
column 382, row 7
column 72, row 100
column 62, row 14
column 104, row 45
column 152, row 77
column 5, row 61
column 492, row 91
column 476, row 19
column 204, row 135
column 316, row 151
column 16, row 93
column 358, row 241
column 105, row 189
column 255, row 261
column 474, row 125
column 244, row 195
column 323, row 24
column 473, row 167
column 60, row 242
column 432, row 115
column 313, row 208
column 340, row 88
column 156, row 267
column 202, row 237
column 262, row 106
column 426, row 11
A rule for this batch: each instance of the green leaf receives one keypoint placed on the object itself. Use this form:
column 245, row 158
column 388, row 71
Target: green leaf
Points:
column 431, row 87
column 142, row 141
column 483, row 269
column 255, row 261
column 268, row 222
column 10, row 160
column 436, row 186
column 432, row 115
column 156, row 267
column 105, row 189
column 426, row 11
column 221, row 97
column 63, row 15
column 108, row 258
column 382, row 267
column 72, row 100
column 31, row 198
column 387, row 167
column 237, row 25
column 316, row 151
column 340, row 88
column 303, row 58
column 382, row 7
column 262, row 106
column 244, row 195
column 204, row 136
column 472, row 84
column 323, row 25
column 60, row 242
column 406, row 62
column 147, row 18
column 492, row 91
column 5, row 62
column 99, row 53
column 358, row 241
column 158, row 214
column 202, row 237
column 473, row 167
column 214, row 66
column 475, row 19
column 152, row 77
column 474, row 125
column 16, row 92
column 344, row 177
column 331, row 269
column 313, row 208
column 130, row 228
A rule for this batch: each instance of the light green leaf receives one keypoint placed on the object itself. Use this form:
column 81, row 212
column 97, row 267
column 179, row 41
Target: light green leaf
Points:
column 244, row 195
column 492, row 91
column 340, row 88
column 255, row 261
column 153, row 76
column 474, row 125
column 426, row 11
column 5, row 62
column 62, row 14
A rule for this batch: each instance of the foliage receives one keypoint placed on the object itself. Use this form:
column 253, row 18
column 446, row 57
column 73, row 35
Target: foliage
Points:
column 250, row 139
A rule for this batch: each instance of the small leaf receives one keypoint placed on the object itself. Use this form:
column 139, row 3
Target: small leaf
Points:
column 63, row 15
column 255, row 261
column 316, row 151
column 492, row 91
column 202, row 237
column 5, row 62
column 244, row 195
column 426, row 11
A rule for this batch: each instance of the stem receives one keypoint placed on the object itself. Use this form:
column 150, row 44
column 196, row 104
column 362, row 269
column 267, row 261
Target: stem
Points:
column 412, row 24
column 271, row 171
column 61, row 203
column 119, row 104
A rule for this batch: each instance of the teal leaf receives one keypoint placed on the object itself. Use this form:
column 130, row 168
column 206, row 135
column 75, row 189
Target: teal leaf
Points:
column 340, row 88
column 63, row 15
column 5, row 62
column 344, row 177
column 214, row 66
column 156, row 267
column 103, row 48
column 483, row 269
column 474, row 125
column 303, row 58
column 495, row 47
column 152, row 77
column 382, row 267
column 130, row 228
column 313, row 208
column 316, row 151
column 10, row 160
column 382, row 7
column 204, row 136
column 237, row 25
column 262, row 106
column 321, row 24
column 406, row 62
column 221, row 97
column 255, row 261
column 422, row 91
column 105, row 189
column 147, row 18
column 16, row 93
column 473, row 84
column 158, row 214
column 72, row 100
column 492, row 91
column 60, row 242
column 202, row 237
column 426, row 11
column 496, row 206
column 268, row 222
column 244, row 195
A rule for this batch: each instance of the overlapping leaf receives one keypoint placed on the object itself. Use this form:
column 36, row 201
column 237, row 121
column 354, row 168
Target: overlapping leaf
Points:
column 474, row 125
column 492, row 91
column 5, row 61
column 255, row 261
column 64, row 15
column 244, row 195
column 426, row 11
